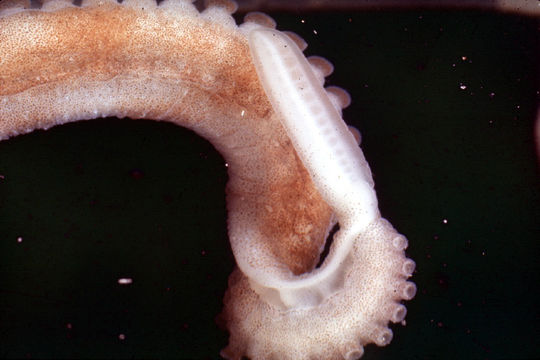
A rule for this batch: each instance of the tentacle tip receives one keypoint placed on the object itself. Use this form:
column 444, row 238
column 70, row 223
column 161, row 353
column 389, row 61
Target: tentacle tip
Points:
column 399, row 313
column 408, row 267
column 260, row 19
column 322, row 64
column 400, row 242
column 383, row 337
column 408, row 291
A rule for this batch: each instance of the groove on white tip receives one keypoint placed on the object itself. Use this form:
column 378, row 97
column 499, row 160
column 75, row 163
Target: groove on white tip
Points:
column 408, row 267
column 399, row 314
column 400, row 242
column 408, row 291
column 382, row 336
column 319, row 135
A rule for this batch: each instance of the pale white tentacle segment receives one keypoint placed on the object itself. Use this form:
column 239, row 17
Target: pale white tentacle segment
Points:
column 329, row 152
column 170, row 62
column 319, row 135
column 359, row 288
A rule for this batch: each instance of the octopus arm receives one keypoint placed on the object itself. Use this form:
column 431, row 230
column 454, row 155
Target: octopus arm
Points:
column 169, row 62
column 333, row 311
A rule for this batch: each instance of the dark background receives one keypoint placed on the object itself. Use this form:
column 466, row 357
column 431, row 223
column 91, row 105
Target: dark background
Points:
column 455, row 171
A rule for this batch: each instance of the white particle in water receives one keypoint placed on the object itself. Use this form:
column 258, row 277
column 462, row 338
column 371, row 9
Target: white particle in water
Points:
column 125, row 281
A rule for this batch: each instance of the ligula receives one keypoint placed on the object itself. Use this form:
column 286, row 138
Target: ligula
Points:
column 295, row 168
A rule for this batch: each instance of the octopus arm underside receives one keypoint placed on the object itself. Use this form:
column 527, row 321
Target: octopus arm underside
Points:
column 294, row 167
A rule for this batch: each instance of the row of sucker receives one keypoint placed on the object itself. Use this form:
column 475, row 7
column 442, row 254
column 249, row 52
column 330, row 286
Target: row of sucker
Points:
column 215, row 10
column 220, row 11
column 355, row 326
column 321, row 66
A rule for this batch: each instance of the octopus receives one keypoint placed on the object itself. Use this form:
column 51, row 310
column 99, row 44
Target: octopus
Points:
column 296, row 170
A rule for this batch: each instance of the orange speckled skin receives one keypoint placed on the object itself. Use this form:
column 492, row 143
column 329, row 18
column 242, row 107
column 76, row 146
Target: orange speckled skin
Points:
column 65, row 63
column 59, row 66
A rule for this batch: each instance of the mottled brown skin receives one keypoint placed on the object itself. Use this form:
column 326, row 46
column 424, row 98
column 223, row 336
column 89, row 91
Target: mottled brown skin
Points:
column 148, row 58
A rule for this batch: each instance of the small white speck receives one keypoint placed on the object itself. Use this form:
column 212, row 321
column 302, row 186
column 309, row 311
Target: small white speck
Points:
column 243, row 112
column 226, row 164
column 463, row 58
column 122, row 336
column 125, row 281
column 19, row 239
column 462, row 86
column 445, row 221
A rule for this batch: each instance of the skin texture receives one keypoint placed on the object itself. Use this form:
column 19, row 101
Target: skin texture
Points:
column 119, row 49
column 65, row 63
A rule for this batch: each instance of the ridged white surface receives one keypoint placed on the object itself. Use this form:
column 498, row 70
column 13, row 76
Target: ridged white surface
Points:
column 370, row 291
column 319, row 135
column 328, row 313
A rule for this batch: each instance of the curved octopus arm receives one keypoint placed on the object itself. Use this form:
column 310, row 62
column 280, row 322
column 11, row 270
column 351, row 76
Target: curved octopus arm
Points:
column 294, row 168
